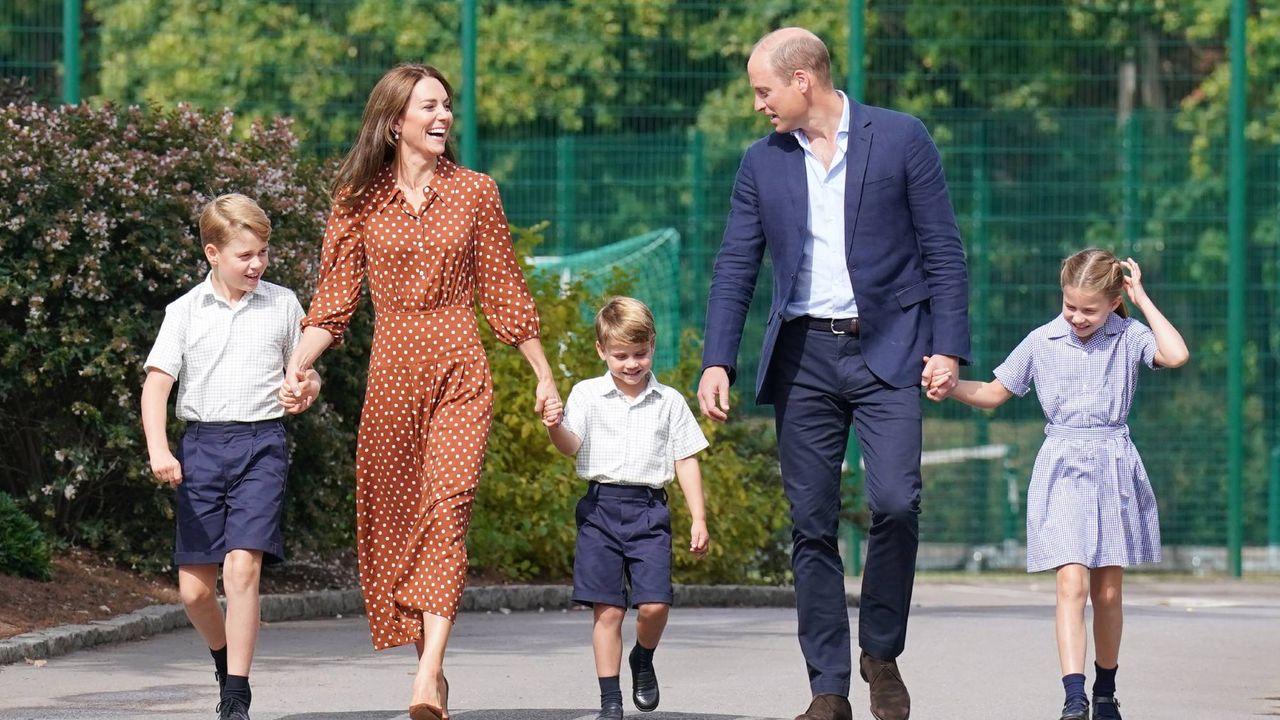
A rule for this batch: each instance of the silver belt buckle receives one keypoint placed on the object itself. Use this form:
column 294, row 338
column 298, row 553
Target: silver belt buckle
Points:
column 833, row 328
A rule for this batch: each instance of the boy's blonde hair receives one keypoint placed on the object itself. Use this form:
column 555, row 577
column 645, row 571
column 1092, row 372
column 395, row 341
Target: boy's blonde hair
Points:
column 226, row 214
column 625, row 321
column 1096, row 271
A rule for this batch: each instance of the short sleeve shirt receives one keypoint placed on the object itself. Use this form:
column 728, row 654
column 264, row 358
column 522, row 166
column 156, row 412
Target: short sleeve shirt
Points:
column 229, row 361
column 631, row 442
column 1081, row 384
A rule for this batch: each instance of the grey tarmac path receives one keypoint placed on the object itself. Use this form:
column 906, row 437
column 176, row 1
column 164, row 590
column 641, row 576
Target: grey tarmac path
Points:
column 979, row 649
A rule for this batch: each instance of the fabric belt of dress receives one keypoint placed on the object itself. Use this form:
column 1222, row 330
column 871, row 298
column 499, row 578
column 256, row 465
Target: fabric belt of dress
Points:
column 1100, row 432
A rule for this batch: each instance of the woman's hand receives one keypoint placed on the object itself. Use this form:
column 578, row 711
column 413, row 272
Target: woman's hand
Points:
column 545, row 392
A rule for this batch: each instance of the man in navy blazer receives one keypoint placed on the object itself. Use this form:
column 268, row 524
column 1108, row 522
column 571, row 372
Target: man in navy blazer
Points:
column 869, row 278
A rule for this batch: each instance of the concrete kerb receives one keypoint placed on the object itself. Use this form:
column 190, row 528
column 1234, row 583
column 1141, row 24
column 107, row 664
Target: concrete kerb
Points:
column 156, row 619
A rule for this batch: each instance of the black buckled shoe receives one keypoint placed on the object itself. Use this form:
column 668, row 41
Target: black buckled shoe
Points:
column 611, row 711
column 1106, row 707
column 232, row 709
column 644, row 682
column 1075, row 710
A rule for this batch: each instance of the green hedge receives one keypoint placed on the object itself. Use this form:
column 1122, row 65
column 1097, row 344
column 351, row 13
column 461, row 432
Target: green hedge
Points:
column 98, row 210
column 23, row 550
column 98, row 233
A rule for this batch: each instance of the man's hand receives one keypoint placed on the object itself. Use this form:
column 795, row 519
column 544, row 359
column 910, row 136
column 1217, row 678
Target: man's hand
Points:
column 713, row 393
column 940, row 375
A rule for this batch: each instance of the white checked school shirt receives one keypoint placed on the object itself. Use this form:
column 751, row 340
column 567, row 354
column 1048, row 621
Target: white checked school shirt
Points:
column 229, row 362
column 823, row 287
column 629, row 442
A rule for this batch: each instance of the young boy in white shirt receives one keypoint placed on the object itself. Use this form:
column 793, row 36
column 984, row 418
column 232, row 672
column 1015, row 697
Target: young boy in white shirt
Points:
column 631, row 435
column 226, row 343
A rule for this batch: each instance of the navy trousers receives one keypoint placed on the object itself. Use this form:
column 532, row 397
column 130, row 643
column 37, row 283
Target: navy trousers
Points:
column 820, row 385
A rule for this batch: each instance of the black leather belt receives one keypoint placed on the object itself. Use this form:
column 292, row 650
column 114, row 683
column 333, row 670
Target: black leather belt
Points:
column 835, row 326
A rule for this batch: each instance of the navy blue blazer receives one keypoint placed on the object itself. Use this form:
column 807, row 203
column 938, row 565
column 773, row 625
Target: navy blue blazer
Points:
column 903, row 248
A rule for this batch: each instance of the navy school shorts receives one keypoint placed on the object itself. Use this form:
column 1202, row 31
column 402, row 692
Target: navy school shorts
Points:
column 623, row 552
column 232, row 492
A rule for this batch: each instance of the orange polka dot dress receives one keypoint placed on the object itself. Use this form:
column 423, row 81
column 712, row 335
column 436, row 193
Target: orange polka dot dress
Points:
column 429, row 401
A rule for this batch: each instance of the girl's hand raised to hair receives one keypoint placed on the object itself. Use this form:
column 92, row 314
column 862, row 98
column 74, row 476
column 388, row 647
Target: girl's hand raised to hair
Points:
column 1133, row 281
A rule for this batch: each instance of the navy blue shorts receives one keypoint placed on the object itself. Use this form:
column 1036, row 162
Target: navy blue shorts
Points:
column 624, row 543
column 232, row 492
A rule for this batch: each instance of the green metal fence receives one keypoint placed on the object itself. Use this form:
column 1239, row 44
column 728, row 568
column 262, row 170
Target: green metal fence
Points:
column 1062, row 124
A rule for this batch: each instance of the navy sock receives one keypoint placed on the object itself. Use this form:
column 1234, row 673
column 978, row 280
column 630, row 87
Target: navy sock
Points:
column 238, row 688
column 610, row 691
column 1074, row 685
column 220, row 661
column 1105, row 683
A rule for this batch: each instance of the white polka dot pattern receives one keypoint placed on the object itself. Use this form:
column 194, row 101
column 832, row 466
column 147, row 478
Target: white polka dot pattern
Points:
column 429, row 401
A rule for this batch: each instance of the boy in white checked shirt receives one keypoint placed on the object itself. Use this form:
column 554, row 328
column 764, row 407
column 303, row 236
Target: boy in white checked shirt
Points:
column 630, row 434
column 226, row 342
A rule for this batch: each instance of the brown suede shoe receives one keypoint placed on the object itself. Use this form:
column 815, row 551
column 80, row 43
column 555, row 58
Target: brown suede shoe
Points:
column 828, row 707
column 889, row 697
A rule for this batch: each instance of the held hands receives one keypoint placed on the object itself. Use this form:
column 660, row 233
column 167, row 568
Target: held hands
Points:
column 552, row 412
column 166, row 468
column 547, row 402
column 940, row 376
column 298, row 392
column 699, row 539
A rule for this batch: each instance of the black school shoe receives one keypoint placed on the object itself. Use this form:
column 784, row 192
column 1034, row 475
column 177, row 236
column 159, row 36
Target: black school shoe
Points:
column 644, row 683
column 232, row 709
column 1075, row 710
column 612, row 711
column 1106, row 707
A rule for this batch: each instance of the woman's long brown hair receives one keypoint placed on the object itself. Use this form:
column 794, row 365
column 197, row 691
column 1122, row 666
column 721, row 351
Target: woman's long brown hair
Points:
column 375, row 146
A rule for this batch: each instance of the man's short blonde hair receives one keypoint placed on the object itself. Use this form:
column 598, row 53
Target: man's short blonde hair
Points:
column 625, row 321
column 790, row 49
column 226, row 214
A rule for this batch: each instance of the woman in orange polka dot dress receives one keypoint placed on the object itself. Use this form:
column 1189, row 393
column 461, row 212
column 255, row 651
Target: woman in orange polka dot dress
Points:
column 430, row 236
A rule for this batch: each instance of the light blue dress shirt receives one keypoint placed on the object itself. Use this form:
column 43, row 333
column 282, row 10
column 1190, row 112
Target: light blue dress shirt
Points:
column 823, row 286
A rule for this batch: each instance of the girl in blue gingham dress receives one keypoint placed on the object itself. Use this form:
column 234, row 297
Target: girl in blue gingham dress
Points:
column 1090, row 508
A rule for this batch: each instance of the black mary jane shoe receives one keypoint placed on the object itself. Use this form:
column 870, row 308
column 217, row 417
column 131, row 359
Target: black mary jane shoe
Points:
column 1106, row 707
column 232, row 709
column 1077, row 710
column 611, row 711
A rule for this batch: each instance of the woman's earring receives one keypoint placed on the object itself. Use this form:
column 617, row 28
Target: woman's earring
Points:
column 395, row 136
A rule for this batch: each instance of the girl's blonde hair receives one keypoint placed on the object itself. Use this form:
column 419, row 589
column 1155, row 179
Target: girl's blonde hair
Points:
column 375, row 144
column 1096, row 271
column 625, row 321
column 226, row 214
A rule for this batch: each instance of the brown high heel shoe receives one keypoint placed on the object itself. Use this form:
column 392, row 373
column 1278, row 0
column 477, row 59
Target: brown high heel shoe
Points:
column 425, row 711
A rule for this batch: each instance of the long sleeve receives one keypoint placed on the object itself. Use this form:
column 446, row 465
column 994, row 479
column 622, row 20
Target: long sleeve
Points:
column 342, row 267
column 504, row 295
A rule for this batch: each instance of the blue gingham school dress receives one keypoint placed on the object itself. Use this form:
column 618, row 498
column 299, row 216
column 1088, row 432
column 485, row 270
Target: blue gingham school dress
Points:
column 1090, row 501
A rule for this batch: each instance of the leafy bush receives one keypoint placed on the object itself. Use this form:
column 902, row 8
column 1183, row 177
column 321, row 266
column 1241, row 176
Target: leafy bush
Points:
column 23, row 550
column 98, row 212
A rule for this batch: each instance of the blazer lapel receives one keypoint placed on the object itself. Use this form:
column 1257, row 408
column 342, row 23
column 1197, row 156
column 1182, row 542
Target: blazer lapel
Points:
column 860, row 136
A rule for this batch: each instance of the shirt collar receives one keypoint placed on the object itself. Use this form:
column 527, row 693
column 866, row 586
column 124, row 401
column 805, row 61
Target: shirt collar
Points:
column 842, row 130
column 206, row 294
column 611, row 388
column 1060, row 328
column 443, row 185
